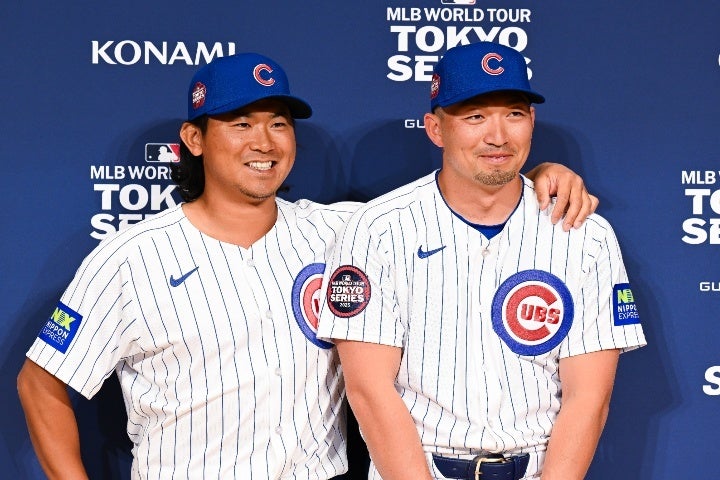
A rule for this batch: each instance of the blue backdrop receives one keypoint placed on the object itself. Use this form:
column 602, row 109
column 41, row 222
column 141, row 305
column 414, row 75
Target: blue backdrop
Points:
column 91, row 92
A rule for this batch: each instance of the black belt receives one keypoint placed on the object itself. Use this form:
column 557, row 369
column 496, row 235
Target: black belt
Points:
column 493, row 466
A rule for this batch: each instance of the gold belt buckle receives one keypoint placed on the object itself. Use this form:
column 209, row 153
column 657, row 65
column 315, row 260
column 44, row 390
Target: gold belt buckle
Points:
column 479, row 460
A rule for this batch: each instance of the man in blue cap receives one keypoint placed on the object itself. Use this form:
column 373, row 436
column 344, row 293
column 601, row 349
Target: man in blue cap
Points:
column 208, row 311
column 478, row 340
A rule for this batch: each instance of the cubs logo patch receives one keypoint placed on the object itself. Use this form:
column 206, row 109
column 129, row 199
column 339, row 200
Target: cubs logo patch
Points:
column 532, row 312
column 624, row 308
column 348, row 291
column 61, row 327
column 306, row 301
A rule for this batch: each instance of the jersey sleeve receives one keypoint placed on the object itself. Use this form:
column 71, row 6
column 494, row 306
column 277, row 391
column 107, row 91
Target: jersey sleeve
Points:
column 606, row 315
column 91, row 328
column 359, row 297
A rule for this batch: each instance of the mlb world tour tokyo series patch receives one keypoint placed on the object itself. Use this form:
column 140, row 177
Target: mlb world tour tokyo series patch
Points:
column 61, row 327
column 348, row 291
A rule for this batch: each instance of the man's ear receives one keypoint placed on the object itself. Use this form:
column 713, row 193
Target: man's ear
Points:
column 532, row 116
column 432, row 128
column 192, row 136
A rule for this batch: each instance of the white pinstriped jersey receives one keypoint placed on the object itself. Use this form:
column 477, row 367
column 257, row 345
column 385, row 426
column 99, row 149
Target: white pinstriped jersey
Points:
column 214, row 346
column 482, row 323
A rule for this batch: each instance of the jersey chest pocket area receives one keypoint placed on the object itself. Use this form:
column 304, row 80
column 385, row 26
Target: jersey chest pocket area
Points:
column 193, row 322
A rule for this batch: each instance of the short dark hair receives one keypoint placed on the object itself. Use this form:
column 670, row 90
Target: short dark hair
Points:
column 189, row 172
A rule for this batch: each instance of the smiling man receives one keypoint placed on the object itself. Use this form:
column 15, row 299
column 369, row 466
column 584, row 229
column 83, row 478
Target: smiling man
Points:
column 205, row 311
column 194, row 308
column 477, row 338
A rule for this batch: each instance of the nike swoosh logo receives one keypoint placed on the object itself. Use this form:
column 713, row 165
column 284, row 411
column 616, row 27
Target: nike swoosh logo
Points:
column 176, row 282
column 426, row 254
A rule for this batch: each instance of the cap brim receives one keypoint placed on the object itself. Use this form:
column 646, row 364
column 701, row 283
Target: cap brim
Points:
column 298, row 108
column 534, row 97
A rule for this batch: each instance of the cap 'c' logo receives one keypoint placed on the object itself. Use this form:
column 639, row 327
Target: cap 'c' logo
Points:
column 263, row 68
column 486, row 64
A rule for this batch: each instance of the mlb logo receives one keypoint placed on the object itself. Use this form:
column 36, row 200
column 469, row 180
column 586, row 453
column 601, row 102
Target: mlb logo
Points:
column 457, row 2
column 162, row 152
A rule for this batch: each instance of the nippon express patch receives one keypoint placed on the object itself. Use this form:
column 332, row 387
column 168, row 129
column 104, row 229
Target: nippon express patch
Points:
column 61, row 327
column 624, row 309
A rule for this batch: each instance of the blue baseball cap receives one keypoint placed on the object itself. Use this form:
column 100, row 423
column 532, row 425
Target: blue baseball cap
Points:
column 228, row 83
column 467, row 71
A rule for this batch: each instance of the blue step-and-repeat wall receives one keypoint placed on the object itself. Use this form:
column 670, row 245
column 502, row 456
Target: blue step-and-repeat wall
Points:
column 93, row 94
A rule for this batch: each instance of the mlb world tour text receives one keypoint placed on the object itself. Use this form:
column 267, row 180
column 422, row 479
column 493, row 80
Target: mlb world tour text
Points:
column 133, row 198
column 425, row 30
column 699, row 229
column 704, row 225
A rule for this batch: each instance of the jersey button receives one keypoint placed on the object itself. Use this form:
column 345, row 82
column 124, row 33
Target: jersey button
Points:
column 278, row 429
column 250, row 262
column 278, row 372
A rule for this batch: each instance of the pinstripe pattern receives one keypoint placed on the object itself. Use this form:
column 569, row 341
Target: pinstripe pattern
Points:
column 465, row 388
column 217, row 377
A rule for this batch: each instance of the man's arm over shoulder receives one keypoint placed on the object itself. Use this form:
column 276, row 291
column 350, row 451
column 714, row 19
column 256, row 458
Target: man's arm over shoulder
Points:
column 51, row 422
column 571, row 196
